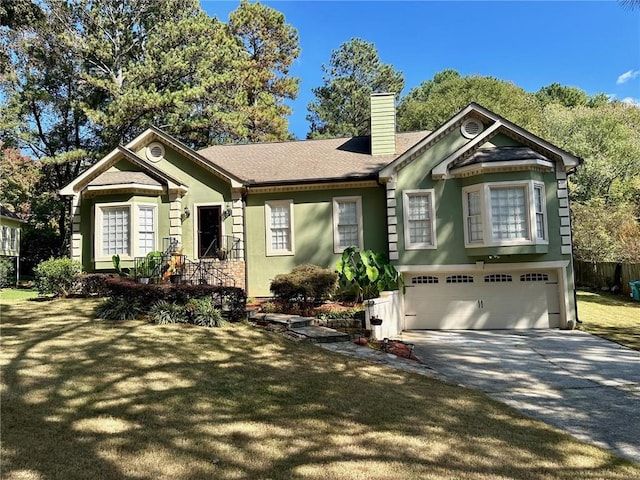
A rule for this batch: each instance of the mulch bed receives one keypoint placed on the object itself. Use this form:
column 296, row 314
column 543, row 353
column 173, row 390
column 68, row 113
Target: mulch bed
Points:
column 394, row 347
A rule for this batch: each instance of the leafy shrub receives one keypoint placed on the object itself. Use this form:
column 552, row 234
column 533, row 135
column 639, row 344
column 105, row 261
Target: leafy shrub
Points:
column 232, row 301
column 305, row 282
column 163, row 313
column 366, row 273
column 272, row 307
column 6, row 272
column 202, row 312
column 118, row 308
column 56, row 276
column 92, row 285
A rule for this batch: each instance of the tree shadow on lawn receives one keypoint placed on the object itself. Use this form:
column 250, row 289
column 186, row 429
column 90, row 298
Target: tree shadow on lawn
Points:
column 89, row 399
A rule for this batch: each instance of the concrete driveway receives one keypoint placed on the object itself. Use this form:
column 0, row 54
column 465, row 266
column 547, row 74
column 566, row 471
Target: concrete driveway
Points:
column 582, row 384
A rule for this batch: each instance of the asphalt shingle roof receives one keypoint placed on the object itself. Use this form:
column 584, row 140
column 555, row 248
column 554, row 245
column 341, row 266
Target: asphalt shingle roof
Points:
column 499, row 154
column 123, row 178
column 306, row 160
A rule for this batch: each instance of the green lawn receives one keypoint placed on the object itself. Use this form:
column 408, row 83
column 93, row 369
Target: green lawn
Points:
column 10, row 295
column 614, row 317
column 102, row 400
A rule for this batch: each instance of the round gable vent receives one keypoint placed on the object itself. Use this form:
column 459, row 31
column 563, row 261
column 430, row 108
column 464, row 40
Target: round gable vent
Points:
column 155, row 151
column 471, row 128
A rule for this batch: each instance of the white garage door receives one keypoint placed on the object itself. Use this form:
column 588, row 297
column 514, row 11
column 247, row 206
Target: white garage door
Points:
column 482, row 300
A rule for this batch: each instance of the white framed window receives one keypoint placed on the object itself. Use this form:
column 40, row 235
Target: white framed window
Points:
column 146, row 229
column 504, row 213
column 5, row 238
column 347, row 223
column 419, row 219
column 13, row 239
column 509, row 213
column 540, row 207
column 125, row 229
column 115, row 231
column 474, row 216
column 279, row 227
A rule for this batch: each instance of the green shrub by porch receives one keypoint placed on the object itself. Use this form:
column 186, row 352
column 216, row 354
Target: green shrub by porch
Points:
column 57, row 276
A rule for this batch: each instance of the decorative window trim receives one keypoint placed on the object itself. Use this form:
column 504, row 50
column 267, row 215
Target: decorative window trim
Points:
column 269, row 250
column 336, row 217
column 534, row 277
column 484, row 189
column 424, row 280
column 459, row 279
column 406, row 195
column 155, row 151
column 498, row 278
column 134, row 240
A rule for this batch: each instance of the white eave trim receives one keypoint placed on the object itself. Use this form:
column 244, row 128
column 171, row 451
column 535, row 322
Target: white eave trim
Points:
column 505, row 166
column 92, row 172
column 485, row 267
column 569, row 161
column 441, row 170
column 124, row 186
column 185, row 150
column 390, row 169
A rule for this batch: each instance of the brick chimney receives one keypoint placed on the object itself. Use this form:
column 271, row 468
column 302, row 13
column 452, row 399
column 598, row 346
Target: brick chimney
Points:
column 383, row 123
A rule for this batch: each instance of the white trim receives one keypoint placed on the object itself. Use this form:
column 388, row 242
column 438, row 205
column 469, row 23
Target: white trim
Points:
column 269, row 251
column 507, row 165
column 486, row 267
column 134, row 240
column 194, row 215
column 149, row 152
column 468, row 121
column 336, row 217
column 406, row 194
column 485, row 201
column 124, row 186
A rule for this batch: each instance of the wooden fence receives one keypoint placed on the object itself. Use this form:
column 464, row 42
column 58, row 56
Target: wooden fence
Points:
column 601, row 275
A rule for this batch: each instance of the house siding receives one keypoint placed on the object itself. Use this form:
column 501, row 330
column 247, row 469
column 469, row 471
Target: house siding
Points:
column 313, row 227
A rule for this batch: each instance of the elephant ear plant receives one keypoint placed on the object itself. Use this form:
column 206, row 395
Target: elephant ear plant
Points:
column 367, row 273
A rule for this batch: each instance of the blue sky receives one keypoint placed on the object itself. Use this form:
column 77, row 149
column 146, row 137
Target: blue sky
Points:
column 593, row 45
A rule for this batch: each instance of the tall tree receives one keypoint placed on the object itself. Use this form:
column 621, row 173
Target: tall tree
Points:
column 435, row 101
column 342, row 103
column 269, row 48
column 608, row 139
column 41, row 112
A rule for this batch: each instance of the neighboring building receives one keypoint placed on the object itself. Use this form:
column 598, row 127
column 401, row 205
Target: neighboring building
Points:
column 10, row 228
column 475, row 214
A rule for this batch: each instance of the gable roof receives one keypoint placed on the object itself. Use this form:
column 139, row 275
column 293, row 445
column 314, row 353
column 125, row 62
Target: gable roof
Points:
column 498, row 154
column 497, row 125
column 306, row 160
column 125, row 151
column 6, row 213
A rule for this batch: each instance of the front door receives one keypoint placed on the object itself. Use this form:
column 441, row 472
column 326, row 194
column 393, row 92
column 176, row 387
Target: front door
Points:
column 209, row 230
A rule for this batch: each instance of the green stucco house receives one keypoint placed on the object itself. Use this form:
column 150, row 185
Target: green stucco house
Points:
column 474, row 214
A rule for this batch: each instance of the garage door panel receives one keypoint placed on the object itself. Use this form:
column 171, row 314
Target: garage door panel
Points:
column 483, row 301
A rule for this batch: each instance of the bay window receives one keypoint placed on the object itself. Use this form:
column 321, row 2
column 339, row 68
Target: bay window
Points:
column 504, row 213
column 124, row 229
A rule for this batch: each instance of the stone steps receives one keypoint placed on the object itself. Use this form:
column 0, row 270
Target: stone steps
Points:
column 303, row 326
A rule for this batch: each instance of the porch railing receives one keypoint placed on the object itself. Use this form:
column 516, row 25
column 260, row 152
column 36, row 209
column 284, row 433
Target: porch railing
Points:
column 170, row 265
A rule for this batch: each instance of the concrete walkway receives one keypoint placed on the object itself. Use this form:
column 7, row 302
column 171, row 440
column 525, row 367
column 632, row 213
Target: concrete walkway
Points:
column 582, row 384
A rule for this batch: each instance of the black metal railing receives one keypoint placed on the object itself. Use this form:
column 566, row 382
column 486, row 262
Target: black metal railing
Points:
column 171, row 265
column 227, row 247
